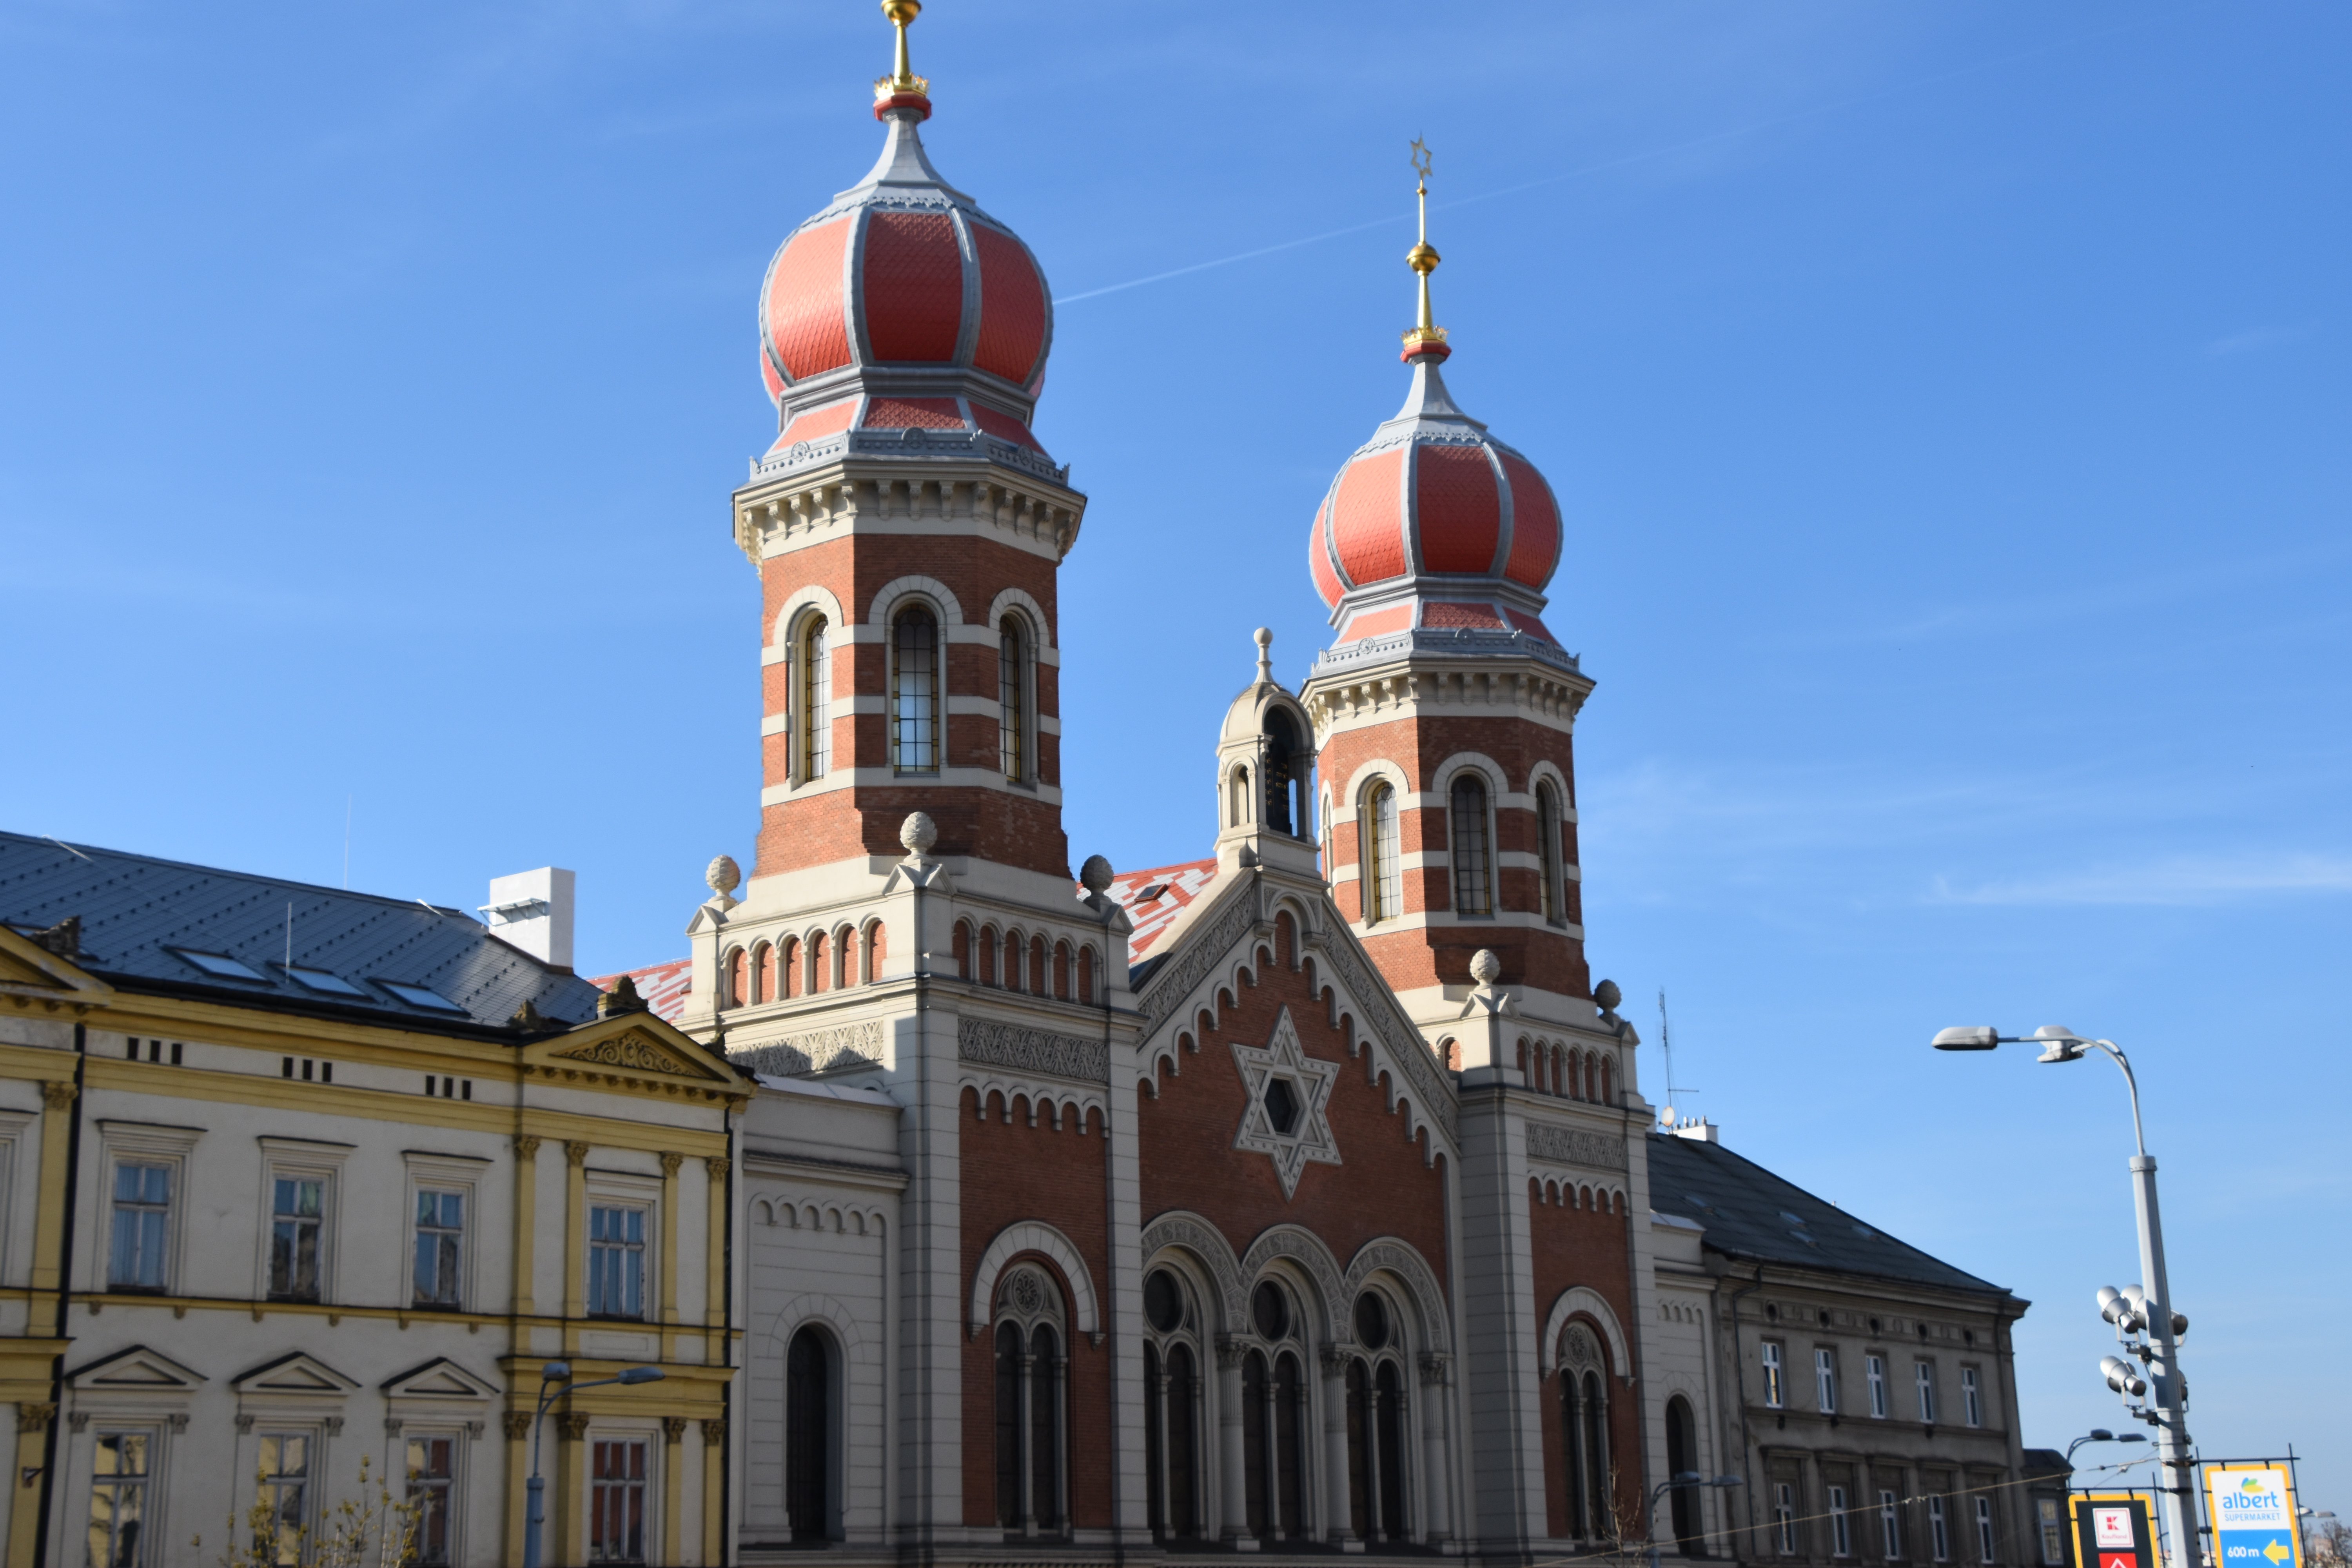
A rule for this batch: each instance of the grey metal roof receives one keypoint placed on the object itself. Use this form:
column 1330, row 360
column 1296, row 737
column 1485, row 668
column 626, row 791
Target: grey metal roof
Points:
column 140, row 915
column 1750, row 1213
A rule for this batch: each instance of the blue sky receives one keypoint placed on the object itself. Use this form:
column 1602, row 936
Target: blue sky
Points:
column 1949, row 404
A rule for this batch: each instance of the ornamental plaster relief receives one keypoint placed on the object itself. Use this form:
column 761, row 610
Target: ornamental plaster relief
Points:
column 814, row 1051
column 1574, row 1146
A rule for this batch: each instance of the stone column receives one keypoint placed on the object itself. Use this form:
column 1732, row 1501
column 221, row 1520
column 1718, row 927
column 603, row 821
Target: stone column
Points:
column 1232, row 1472
column 714, row 1262
column 1336, row 1512
column 25, row 1513
column 567, row 1511
column 575, row 1244
column 714, row 1466
column 518, row 1427
column 672, row 1221
column 1436, row 1474
column 674, row 1473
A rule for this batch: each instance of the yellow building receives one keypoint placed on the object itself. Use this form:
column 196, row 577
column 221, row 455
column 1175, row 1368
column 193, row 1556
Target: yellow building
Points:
column 292, row 1178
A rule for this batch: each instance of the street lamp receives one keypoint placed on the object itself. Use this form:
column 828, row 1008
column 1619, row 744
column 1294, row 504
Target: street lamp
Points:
column 2099, row 1434
column 555, row 1378
column 1678, row 1481
column 2136, row 1309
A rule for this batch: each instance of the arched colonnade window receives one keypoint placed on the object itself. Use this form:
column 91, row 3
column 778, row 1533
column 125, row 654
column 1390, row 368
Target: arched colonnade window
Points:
column 1032, row 1377
column 1584, row 1426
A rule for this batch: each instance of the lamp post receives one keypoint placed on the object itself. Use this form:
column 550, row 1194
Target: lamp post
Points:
column 2147, row 1306
column 2099, row 1434
column 1679, row 1479
column 555, row 1378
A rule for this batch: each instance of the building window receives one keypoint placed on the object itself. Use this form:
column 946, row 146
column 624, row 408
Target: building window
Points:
column 1971, row 1397
column 432, row 1473
column 1032, row 1424
column 118, row 1503
column 1940, row 1530
column 440, row 1249
column 1553, row 875
column 1775, row 1395
column 1383, row 877
column 1985, row 1552
column 1890, row 1527
column 616, row 1503
column 296, row 1238
column 1584, row 1420
column 143, row 1219
column 286, row 1492
column 1473, row 877
column 1784, row 1517
column 616, row 1264
column 1841, row 1532
column 1875, row 1368
column 1172, row 1409
column 815, row 694
column 1924, row 1372
column 1013, row 699
column 1275, row 1423
column 915, row 693
column 808, row 1435
column 1825, row 1380
column 2053, row 1533
column 1288, row 785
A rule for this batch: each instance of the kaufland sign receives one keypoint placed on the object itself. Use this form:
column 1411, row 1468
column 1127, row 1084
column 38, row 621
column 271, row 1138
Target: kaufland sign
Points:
column 2252, row 1510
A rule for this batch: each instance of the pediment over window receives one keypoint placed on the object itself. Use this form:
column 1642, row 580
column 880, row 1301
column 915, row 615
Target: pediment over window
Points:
column 439, row 1380
column 634, row 1050
column 137, row 1370
column 295, row 1374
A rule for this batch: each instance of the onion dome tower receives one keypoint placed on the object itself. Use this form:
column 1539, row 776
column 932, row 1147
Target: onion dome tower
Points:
column 905, row 524
column 1445, row 711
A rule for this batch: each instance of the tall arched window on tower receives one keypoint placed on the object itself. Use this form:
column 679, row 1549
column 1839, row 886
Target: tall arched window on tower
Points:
column 1032, row 1426
column 1013, row 697
column 1381, row 878
column 1281, row 746
column 1172, row 1407
column 816, row 692
column 1584, row 1422
column 1473, row 880
column 1551, row 875
column 915, row 692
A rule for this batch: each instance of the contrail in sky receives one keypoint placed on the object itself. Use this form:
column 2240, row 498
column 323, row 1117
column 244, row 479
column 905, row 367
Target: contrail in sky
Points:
column 1899, row 90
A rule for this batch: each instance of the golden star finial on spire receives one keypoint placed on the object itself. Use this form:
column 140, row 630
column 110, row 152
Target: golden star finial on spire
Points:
column 1422, row 258
column 902, row 81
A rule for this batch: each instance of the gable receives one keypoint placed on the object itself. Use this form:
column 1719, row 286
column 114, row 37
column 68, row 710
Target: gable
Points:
column 294, row 1373
column 31, row 974
column 139, row 1370
column 637, row 1051
column 438, row 1378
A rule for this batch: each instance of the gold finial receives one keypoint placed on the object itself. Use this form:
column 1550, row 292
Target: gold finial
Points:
column 1422, row 258
column 902, row 78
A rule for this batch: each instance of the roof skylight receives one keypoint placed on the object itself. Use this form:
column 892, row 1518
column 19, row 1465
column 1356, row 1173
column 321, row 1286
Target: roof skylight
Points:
column 220, row 966
column 324, row 980
column 423, row 996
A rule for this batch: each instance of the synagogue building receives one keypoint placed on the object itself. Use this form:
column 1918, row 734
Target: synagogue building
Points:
column 1297, row 1198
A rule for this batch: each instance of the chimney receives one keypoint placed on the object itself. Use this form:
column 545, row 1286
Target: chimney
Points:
column 532, row 909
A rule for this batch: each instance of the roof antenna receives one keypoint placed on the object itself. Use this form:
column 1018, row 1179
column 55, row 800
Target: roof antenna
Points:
column 347, row 844
column 1667, row 1044
column 290, row 937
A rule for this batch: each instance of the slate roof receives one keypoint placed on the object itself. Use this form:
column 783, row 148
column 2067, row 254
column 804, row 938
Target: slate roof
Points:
column 1751, row 1214
column 140, row 915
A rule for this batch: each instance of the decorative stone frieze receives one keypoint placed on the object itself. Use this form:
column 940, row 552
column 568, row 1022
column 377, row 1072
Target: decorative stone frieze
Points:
column 1572, row 1146
column 814, row 1050
column 988, row 1043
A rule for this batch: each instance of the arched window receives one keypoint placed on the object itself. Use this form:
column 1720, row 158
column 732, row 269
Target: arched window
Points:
column 1381, row 877
column 820, row 968
column 963, row 950
column 815, row 693
column 1584, row 1423
column 1237, row 799
column 808, row 1435
column 1376, row 1425
column 915, row 692
column 1015, row 944
column 1013, row 697
column 1062, row 969
column 1682, row 1456
column 1274, row 1418
column 737, row 975
column 1551, row 876
column 1086, row 975
column 1039, row 981
column 1032, row 1426
column 874, row 951
column 1474, row 881
column 1171, row 1406
column 763, row 974
column 788, row 968
column 1608, row 1089
column 1286, row 783
column 988, row 955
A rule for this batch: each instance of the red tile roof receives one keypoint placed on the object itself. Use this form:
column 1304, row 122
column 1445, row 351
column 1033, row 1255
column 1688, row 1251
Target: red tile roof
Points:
column 1171, row 890
column 662, row 986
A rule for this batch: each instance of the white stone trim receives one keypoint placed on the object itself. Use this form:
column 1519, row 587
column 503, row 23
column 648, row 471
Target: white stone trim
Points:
column 886, row 600
column 1040, row 628
column 1584, row 1299
column 808, row 596
column 1035, row 1236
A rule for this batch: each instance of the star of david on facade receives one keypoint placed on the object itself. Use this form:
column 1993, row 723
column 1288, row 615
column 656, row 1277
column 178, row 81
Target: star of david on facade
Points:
column 1286, row 1118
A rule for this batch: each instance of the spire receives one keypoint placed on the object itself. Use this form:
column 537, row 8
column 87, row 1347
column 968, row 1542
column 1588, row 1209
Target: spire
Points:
column 902, row 85
column 1427, row 340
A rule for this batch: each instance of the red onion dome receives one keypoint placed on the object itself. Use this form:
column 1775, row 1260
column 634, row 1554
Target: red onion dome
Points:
column 1435, row 523
column 903, row 285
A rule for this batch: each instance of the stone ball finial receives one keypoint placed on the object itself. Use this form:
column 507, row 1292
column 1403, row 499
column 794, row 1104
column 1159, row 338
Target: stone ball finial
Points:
column 1095, row 875
column 918, row 833
column 1606, row 996
column 1485, row 967
column 1263, row 636
column 724, row 875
